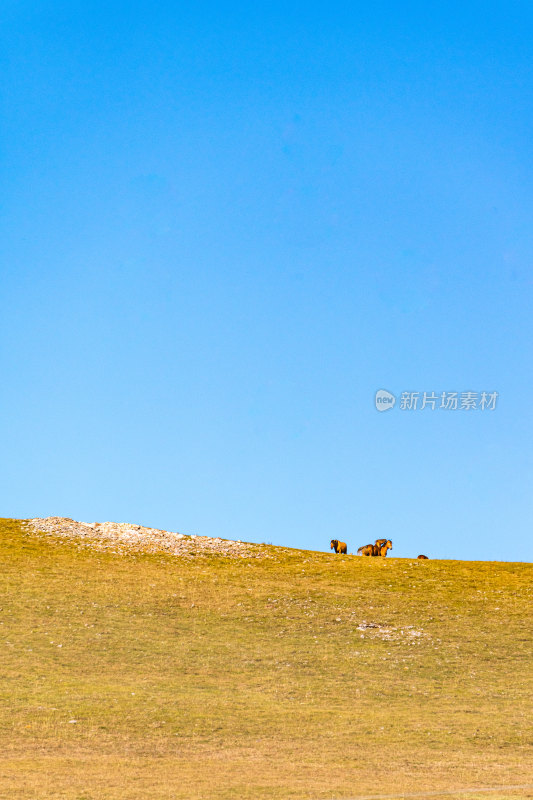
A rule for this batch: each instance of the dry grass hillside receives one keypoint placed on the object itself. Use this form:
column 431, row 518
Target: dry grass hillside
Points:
column 133, row 670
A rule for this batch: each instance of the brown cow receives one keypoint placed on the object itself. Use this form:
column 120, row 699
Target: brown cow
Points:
column 339, row 547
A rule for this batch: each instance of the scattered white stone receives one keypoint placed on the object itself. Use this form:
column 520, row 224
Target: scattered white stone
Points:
column 123, row 538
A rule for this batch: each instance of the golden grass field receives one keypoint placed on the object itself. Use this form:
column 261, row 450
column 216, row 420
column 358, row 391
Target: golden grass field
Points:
column 304, row 675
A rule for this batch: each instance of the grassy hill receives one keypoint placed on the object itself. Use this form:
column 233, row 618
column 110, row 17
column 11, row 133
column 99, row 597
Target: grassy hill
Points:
column 300, row 675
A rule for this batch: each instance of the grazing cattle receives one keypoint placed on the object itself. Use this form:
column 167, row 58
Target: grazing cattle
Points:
column 339, row 547
column 422, row 557
column 367, row 550
column 383, row 550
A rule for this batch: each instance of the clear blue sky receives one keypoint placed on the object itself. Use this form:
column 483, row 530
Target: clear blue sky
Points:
column 226, row 225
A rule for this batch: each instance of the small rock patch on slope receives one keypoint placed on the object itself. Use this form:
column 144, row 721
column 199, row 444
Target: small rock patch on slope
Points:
column 122, row 537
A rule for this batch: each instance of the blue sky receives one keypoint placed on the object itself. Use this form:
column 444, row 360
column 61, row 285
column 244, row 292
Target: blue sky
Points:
column 225, row 226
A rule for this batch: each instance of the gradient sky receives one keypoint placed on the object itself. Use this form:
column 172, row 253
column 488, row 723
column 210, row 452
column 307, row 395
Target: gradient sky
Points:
column 224, row 226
